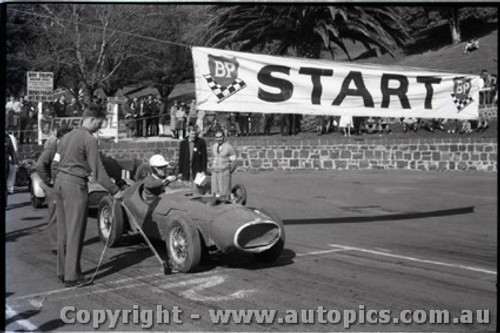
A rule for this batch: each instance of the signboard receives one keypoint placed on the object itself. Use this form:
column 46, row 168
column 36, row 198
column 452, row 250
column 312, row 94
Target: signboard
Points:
column 40, row 86
column 117, row 100
column 246, row 82
column 109, row 128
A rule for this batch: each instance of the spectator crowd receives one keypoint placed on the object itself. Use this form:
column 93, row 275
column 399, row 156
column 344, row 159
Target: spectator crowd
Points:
column 149, row 116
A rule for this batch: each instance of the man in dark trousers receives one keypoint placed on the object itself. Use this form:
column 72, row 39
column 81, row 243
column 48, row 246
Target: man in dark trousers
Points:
column 43, row 168
column 76, row 159
column 192, row 155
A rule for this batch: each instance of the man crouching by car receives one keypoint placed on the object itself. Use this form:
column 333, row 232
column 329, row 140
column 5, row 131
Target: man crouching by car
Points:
column 43, row 168
column 155, row 183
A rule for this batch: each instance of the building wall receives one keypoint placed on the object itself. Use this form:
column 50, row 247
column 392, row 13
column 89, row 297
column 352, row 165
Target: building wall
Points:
column 439, row 154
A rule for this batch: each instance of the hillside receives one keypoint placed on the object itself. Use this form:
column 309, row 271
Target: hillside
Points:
column 432, row 50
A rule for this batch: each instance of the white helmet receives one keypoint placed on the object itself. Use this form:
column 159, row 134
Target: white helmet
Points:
column 157, row 161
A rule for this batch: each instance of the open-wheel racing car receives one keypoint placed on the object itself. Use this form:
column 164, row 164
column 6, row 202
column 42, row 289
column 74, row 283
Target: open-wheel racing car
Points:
column 192, row 223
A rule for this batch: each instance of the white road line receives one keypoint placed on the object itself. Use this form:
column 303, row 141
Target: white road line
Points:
column 424, row 261
column 136, row 278
column 314, row 253
column 106, row 286
column 9, row 313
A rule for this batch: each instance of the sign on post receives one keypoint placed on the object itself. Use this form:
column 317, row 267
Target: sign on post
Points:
column 40, row 86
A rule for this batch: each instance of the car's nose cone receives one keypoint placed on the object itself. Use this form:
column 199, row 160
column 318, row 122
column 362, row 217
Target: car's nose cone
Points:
column 245, row 229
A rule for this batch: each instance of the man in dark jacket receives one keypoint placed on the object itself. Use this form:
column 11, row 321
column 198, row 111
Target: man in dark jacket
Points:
column 192, row 155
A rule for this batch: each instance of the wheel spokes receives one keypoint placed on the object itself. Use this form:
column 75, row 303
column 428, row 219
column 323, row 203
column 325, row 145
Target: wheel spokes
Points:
column 179, row 244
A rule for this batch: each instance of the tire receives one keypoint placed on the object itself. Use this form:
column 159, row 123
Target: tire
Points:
column 183, row 243
column 239, row 193
column 107, row 226
column 22, row 176
column 142, row 172
column 274, row 252
column 35, row 201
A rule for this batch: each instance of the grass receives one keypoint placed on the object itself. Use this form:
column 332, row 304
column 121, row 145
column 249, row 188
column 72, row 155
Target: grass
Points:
column 432, row 49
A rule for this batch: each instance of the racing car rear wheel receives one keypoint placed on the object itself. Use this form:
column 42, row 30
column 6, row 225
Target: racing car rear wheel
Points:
column 183, row 243
column 142, row 172
column 239, row 194
column 109, row 226
column 274, row 252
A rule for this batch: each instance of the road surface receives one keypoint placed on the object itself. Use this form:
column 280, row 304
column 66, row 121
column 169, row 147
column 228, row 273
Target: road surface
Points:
column 363, row 249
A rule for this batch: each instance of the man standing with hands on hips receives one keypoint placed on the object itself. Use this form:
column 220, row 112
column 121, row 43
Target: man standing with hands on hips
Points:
column 223, row 165
column 76, row 159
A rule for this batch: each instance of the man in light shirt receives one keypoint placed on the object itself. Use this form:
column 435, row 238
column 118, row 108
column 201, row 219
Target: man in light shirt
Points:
column 223, row 165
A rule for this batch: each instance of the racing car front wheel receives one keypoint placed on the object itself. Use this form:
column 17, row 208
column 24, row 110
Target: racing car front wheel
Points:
column 183, row 243
column 109, row 222
column 274, row 252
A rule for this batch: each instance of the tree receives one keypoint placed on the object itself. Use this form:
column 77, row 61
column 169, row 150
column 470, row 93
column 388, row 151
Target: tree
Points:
column 170, row 63
column 303, row 29
column 90, row 46
column 455, row 15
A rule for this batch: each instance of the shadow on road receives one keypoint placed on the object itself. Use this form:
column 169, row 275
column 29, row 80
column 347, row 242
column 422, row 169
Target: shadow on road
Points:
column 21, row 316
column 249, row 262
column 14, row 235
column 92, row 240
column 121, row 261
column 18, row 205
column 51, row 325
column 32, row 218
column 388, row 217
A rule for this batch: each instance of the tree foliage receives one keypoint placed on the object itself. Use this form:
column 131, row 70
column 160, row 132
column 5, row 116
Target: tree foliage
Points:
column 108, row 46
column 420, row 18
column 304, row 30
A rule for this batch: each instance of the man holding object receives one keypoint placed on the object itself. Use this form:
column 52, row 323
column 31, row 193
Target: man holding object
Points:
column 76, row 159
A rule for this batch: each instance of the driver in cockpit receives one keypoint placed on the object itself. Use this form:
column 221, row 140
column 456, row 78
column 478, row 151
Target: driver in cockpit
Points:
column 155, row 183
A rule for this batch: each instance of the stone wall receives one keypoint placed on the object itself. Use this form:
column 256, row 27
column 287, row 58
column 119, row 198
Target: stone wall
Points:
column 442, row 154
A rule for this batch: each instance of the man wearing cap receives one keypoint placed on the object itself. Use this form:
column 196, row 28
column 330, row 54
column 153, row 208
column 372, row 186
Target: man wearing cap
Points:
column 155, row 183
column 76, row 159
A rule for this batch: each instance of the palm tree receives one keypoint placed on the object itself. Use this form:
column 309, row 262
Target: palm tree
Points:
column 302, row 30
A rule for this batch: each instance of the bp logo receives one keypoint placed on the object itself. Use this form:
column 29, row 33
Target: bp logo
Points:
column 223, row 78
column 461, row 92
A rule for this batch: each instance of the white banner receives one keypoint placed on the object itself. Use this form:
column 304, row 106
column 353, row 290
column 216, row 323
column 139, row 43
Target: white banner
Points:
column 245, row 82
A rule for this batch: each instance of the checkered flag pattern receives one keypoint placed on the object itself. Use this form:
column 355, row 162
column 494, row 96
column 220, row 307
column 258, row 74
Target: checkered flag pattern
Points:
column 461, row 103
column 224, row 92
